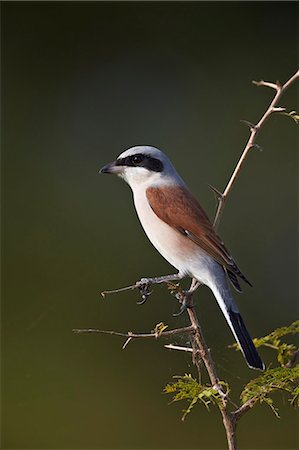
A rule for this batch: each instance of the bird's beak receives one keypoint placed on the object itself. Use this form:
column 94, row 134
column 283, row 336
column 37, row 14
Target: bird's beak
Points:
column 111, row 168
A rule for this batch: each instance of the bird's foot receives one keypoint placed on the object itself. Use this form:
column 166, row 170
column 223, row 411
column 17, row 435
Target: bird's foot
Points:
column 143, row 285
column 186, row 301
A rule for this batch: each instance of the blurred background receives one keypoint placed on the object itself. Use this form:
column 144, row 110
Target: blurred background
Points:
column 82, row 82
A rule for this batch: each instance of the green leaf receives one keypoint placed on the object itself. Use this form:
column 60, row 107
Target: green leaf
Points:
column 187, row 388
column 273, row 340
column 278, row 379
column 293, row 114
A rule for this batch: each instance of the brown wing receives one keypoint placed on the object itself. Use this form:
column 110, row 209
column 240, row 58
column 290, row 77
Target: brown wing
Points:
column 178, row 208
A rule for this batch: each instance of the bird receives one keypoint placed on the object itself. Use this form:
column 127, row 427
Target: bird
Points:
column 181, row 231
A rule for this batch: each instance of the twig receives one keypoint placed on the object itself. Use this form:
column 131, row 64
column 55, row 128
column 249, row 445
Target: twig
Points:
column 230, row 419
column 238, row 413
column 178, row 347
column 131, row 335
column 293, row 361
column 116, row 291
column 254, row 130
column 126, row 343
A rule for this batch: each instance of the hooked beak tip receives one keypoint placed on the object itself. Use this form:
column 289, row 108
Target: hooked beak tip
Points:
column 112, row 168
column 108, row 168
column 104, row 170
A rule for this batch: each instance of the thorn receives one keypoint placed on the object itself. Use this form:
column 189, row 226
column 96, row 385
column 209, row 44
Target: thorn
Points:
column 126, row 343
column 278, row 109
column 249, row 124
column 218, row 193
column 177, row 347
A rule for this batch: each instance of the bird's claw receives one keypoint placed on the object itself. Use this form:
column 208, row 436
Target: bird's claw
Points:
column 186, row 303
column 143, row 286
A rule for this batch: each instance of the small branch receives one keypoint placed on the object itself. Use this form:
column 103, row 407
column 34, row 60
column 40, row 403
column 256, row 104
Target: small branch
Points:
column 177, row 347
column 127, row 342
column 243, row 409
column 116, row 291
column 254, row 130
column 275, row 86
column 293, row 361
column 131, row 335
column 230, row 419
column 278, row 109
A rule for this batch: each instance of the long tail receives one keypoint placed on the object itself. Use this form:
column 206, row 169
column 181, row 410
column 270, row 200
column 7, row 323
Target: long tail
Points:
column 237, row 326
column 244, row 340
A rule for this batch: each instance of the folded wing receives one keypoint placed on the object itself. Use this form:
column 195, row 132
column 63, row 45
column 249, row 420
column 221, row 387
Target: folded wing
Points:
column 176, row 206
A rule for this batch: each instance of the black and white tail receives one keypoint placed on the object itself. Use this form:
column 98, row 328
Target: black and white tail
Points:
column 238, row 328
column 244, row 340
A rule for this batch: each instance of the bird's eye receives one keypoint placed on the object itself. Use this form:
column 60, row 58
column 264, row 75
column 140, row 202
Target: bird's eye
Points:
column 137, row 159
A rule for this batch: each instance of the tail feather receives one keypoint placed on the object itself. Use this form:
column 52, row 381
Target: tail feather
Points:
column 231, row 313
column 244, row 340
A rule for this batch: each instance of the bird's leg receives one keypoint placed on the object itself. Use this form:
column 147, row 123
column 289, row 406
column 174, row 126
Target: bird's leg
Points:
column 144, row 284
column 186, row 297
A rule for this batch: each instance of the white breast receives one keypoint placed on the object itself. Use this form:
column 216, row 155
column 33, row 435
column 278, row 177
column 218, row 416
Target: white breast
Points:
column 178, row 250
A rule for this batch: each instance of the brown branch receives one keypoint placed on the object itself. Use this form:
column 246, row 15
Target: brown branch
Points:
column 131, row 335
column 294, row 360
column 238, row 413
column 205, row 354
column 251, row 143
column 116, row 291
column 230, row 419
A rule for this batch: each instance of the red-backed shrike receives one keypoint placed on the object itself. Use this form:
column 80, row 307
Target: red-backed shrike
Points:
column 181, row 231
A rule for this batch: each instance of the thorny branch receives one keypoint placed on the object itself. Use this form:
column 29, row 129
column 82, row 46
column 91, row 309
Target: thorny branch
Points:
column 156, row 333
column 200, row 350
column 251, row 143
column 131, row 335
column 230, row 419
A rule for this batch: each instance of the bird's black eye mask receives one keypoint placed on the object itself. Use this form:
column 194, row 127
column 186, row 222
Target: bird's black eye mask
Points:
column 140, row 160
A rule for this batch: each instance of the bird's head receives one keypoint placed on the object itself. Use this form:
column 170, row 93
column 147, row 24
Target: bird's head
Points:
column 143, row 165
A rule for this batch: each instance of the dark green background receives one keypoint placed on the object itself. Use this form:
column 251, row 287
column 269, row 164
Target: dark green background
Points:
column 81, row 83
